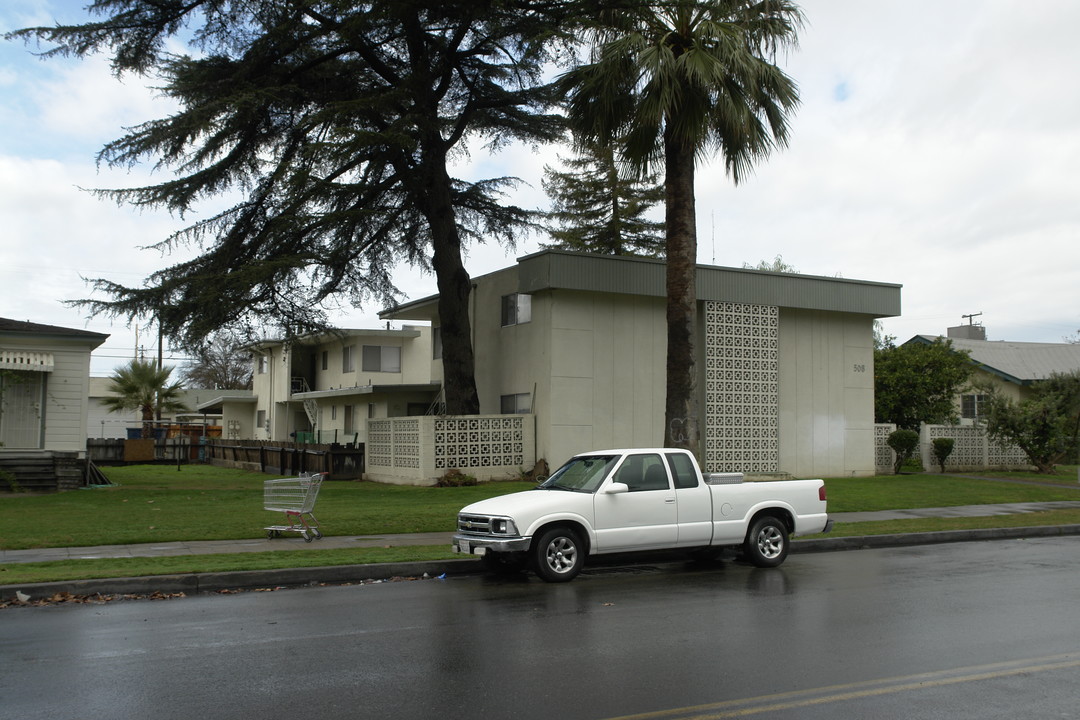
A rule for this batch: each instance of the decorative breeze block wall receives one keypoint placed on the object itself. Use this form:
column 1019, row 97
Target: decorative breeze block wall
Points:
column 742, row 388
column 417, row 450
column 884, row 456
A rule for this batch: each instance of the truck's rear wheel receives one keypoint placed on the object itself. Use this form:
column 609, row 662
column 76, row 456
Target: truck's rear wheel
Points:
column 557, row 555
column 767, row 542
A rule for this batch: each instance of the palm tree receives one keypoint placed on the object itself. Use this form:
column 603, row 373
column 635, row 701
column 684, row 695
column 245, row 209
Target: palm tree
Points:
column 681, row 80
column 144, row 387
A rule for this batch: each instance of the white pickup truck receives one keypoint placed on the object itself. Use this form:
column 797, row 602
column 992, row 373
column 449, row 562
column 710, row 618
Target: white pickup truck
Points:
column 617, row 501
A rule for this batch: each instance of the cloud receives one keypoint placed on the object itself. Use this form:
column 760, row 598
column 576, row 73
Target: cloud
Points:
column 936, row 147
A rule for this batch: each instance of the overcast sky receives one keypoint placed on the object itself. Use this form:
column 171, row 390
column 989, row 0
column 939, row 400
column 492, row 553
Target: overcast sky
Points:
column 937, row 147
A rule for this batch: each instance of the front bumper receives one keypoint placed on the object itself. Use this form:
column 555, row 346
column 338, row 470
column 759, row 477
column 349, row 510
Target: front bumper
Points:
column 483, row 544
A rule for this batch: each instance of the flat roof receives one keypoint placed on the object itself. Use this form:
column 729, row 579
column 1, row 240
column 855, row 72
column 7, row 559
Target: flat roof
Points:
column 564, row 270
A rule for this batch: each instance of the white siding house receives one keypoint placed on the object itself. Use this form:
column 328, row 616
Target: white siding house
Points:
column 44, row 380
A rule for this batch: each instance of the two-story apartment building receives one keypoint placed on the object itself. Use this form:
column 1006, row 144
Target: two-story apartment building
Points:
column 785, row 361
column 324, row 388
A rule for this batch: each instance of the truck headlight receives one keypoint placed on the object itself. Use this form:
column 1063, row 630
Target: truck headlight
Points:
column 503, row 526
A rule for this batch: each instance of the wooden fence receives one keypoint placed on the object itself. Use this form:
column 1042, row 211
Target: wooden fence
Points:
column 112, row 451
column 282, row 458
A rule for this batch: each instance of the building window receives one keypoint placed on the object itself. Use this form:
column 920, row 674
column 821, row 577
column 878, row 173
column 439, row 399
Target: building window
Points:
column 972, row 406
column 519, row 404
column 382, row 358
column 325, row 359
column 516, row 309
column 349, row 428
column 333, row 412
column 371, row 410
column 348, row 359
column 260, row 420
column 262, row 364
column 436, row 343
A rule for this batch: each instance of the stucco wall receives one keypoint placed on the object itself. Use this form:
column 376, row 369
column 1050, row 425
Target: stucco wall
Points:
column 826, row 394
column 592, row 362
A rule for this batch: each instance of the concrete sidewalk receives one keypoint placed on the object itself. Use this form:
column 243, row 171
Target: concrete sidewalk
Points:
column 295, row 543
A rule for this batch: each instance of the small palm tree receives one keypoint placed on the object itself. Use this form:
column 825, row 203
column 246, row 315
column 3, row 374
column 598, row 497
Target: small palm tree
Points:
column 144, row 387
column 678, row 81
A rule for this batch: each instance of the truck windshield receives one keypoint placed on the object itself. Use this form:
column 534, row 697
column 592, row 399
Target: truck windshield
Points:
column 581, row 474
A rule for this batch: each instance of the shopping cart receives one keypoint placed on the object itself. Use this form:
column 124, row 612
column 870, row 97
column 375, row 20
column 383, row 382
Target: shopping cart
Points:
column 296, row 498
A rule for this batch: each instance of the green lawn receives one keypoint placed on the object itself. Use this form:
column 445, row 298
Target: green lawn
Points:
column 900, row 492
column 160, row 504
column 153, row 503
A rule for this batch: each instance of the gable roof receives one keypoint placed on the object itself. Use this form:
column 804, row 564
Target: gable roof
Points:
column 1018, row 362
column 20, row 327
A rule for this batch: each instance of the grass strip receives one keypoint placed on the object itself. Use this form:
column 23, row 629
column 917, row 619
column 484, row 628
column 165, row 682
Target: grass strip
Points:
column 62, row 570
column 919, row 525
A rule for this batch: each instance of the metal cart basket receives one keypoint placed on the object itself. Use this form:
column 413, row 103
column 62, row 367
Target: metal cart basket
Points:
column 296, row 498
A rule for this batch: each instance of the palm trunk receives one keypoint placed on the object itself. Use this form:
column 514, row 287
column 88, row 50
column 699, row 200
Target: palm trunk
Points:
column 681, row 407
column 147, row 422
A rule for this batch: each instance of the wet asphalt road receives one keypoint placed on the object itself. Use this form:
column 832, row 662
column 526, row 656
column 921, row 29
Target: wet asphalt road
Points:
column 968, row 630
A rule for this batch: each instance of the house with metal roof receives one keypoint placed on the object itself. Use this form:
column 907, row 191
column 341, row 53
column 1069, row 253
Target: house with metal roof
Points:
column 785, row 361
column 1011, row 366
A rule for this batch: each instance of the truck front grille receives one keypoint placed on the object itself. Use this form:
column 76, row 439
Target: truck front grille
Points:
column 474, row 524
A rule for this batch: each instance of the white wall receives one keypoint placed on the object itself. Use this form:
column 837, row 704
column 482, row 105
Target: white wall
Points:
column 826, row 394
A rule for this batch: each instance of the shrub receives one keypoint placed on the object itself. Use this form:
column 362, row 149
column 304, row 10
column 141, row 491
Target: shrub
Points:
column 903, row 443
column 943, row 447
column 455, row 478
column 11, row 481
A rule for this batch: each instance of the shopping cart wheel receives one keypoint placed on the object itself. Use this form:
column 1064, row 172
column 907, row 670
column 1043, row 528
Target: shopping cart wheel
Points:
column 308, row 537
column 316, row 532
column 271, row 534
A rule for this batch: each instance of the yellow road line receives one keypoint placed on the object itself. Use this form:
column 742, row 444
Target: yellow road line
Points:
column 852, row 691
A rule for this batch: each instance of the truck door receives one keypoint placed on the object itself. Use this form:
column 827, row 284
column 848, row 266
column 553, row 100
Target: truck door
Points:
column 693, row 499
column 646, row 516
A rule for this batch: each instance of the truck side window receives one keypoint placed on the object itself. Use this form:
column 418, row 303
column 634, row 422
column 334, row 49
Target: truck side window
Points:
column 643, row 472
column 682, row 469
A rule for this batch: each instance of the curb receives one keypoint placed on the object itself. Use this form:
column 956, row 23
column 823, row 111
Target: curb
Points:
column 866, row 542
column 193, row 583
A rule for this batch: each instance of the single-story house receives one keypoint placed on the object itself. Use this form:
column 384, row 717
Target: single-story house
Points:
column 1011, row 366
column 44, row 386
column 45, row 381
column 103, row 423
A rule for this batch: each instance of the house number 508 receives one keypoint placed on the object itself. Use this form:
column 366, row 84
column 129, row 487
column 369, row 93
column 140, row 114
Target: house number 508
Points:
column 859, row 368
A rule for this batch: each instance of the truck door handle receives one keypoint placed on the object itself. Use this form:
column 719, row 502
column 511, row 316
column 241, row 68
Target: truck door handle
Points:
column 669, row 500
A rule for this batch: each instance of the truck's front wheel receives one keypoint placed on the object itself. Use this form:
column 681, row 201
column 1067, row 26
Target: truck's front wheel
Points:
column 557, row 555
column 767, row 542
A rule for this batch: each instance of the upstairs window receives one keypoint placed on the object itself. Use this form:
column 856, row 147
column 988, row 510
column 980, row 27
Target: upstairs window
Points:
column 516, row 309
column 348, row 359
column 382, row 358
column 436, row 343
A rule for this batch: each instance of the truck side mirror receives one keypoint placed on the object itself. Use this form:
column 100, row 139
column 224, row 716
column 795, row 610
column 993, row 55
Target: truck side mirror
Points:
column 616, row 488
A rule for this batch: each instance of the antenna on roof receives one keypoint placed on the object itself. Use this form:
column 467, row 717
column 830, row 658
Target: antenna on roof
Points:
column 971, row 331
